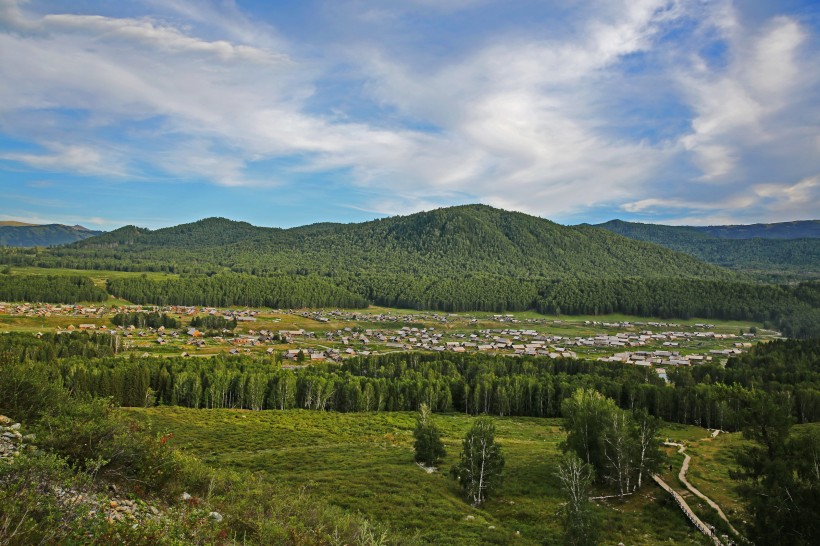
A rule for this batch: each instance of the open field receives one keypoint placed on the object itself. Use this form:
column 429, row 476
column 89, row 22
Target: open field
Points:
column 98, row 276
column 364, row 462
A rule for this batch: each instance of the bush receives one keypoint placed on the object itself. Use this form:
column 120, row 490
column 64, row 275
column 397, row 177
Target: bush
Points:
column 30, row 512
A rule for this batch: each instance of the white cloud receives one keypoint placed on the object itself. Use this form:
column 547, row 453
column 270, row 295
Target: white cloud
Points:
column 741, row 106
column 78, row 159
column 529, row 122
column 163, row 37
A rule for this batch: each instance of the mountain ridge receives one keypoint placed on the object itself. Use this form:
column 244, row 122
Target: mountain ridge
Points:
column 20, row 234
column 786, row 251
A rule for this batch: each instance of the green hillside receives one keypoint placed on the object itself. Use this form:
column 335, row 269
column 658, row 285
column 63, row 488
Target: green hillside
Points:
column 467, row 258
column 780, row 230
column 17, row 234
column 451, row 241
column 787, row 251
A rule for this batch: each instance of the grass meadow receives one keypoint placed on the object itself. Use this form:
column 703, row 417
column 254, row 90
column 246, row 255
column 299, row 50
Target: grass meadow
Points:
column 363, row 462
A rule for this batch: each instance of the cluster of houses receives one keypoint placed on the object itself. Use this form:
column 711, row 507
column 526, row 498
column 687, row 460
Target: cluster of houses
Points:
column 521, row 339
column 46, row 310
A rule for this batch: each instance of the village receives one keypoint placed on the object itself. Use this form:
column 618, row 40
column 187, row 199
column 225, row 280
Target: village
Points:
column 300, row 337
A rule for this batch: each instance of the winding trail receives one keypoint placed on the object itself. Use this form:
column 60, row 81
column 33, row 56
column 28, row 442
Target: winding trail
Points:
column 682, row 477
column 696, row 521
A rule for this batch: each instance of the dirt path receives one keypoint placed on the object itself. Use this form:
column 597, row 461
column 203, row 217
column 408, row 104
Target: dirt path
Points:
column 682, row 477
column 682, row 503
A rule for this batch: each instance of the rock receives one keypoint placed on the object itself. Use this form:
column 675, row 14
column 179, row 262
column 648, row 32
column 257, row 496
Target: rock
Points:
column 15, row 426
column 186, row 496
column 154, row 510
column 30, row 437
column 4, row 420
column 469, row 518
column 113, row 504
column 491, row 527
column 216, row 516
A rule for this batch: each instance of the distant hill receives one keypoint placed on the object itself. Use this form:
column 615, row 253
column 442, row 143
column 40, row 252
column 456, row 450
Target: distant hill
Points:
column 14, row 223
column 784, row 230
column 784, row 251
column 20, row 234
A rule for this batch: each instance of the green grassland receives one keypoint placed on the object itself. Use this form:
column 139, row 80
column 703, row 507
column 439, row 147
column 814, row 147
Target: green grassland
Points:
column 93, row 274
column 363, row 462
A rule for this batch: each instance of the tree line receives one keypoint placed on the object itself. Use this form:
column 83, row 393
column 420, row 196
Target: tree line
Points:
column 707, row 395
column 237, row 290
column 49, row 288
column 145, row 320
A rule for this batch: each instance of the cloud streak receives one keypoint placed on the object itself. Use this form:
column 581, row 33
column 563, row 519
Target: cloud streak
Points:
column 627, row 111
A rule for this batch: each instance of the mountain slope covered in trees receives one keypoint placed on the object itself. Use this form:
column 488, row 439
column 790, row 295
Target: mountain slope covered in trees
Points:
column 468, row 258
column 29, row 235
column 785, row 251
column 455, row 241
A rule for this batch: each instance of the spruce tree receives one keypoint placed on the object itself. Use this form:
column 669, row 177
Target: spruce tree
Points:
column 429, row 448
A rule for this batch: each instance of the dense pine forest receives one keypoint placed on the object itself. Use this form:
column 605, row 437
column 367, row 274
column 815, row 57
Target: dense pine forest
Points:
column 52, row 289
column 772, row 252
column 708, row 395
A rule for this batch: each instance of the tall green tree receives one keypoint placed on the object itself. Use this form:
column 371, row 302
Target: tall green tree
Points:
column 479, row 471
column 587, row 415
column 428, row 445
column 779, row 477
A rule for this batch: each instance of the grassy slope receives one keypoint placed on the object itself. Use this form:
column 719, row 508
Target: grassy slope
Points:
column 364, row 463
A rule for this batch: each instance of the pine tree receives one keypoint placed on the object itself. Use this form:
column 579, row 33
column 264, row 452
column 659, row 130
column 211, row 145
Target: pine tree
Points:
column 429, row 448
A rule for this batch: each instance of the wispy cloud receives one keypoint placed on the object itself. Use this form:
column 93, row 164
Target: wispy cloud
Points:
column 79, row 159
column 630, row 108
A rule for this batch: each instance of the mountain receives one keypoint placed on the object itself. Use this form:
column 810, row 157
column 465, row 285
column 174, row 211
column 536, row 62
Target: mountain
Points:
column 467, row 258
column 783, row 230
column 29, row 235
column 779, row 252
column 471, row 239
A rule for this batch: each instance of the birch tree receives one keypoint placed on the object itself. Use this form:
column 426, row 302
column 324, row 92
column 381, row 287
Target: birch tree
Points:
column 480, row 470
column 645, row 436
column 580, row 523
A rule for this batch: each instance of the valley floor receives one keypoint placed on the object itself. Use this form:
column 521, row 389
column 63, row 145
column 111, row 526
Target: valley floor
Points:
column 363, row 462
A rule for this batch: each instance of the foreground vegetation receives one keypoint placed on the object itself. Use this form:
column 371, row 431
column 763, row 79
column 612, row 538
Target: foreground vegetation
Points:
column 299, row 476
column 706, row 395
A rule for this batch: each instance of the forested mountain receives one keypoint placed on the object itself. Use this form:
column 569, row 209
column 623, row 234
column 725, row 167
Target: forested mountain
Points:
column 785, row 251
column 455, row 241
column 467, row 258
column 781, row 230
column 29, row 235
column 805, row 229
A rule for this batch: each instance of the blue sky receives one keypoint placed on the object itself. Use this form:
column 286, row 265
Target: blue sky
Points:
column 159, row 112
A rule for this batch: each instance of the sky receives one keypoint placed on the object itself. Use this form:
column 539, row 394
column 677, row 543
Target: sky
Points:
column 291, row 112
